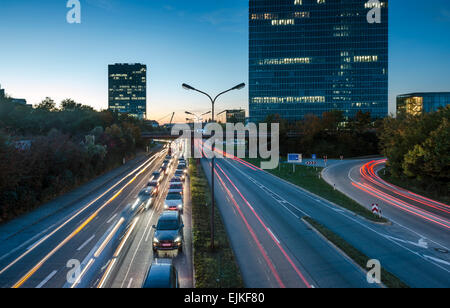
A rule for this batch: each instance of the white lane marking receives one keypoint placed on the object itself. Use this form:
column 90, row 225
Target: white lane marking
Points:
column 275, row 196
column 112, row 218
column 437, row 260
column 274, row 236
column 52, row 274
column 390, row 217
column 421, row 244
column 86, row 243
column 129, row 284
column 144, row 166
column 330, row 206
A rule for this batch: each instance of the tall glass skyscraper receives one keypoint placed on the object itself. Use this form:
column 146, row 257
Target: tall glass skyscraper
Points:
column 312, row 56
column 127, row 90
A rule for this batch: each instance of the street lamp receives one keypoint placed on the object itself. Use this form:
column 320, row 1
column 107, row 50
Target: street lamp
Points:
column 198, row 117
column 213, row 102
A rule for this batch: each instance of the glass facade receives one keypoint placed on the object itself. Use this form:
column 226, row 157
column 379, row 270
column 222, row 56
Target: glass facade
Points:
column 128, row 89
column 232, row 116
column 313, row 56
column 420, row 103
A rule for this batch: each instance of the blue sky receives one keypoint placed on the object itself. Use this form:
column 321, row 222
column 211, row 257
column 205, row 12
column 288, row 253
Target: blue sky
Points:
column 201, row 42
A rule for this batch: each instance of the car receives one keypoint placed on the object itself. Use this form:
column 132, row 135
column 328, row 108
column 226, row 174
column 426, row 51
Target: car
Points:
column 154, row 185
column 181, row 174
column 176, row 180
column 161, row 275
column 176, row 188
column 156, row 176
column 169, row 232
column 174, row 202
column 145, row 197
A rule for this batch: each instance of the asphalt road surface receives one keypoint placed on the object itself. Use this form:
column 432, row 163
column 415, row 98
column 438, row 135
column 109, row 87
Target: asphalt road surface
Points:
column 275, row 248
column 69, row 242
column 414, row 217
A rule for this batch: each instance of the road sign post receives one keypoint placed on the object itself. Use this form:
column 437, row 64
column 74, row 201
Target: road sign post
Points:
column 295, row 159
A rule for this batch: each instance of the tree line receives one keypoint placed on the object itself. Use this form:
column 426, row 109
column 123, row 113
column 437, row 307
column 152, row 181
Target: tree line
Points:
column 418, row 149
column 48, row 150
column 330, row 135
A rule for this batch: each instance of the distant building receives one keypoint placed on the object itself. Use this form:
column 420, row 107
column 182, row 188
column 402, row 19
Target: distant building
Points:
column 19, row 101
column 309, row 57
column 420, row 103
column 127, row 89
column 232, row 116
column 152, row 123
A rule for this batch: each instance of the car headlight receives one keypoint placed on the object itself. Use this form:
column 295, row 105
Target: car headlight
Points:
column 166, row 206
column 180, row 206
column 155, row 240
column 178, row 239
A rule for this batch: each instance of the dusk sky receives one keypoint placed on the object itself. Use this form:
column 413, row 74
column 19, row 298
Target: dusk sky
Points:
column 200, row 42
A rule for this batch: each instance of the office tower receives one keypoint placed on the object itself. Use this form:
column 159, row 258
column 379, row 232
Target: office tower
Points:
column 312, row 56
column 420, row 103
column 127, row 90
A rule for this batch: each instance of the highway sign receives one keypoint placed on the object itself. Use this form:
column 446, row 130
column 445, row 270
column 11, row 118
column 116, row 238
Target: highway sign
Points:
column 295, row 158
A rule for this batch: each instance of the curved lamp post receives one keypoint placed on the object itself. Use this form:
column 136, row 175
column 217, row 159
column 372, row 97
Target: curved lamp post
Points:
column 213, row 102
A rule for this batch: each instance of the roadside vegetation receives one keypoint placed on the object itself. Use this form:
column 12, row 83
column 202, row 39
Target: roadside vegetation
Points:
column 417, row 148
column 387, row 278
column 48, row 150
column 330, row 135
column 309, row 178
column 218, row 268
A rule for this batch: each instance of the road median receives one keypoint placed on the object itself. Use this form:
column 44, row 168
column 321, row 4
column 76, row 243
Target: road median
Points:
column 218, row 268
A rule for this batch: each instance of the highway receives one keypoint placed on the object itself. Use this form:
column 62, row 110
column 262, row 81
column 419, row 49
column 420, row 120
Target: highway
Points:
column 275, row 248
column 414, row 217
column 40, row 250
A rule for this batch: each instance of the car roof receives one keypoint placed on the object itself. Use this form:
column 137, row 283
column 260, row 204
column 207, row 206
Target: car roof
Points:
column 158, row 276
column 169, row 215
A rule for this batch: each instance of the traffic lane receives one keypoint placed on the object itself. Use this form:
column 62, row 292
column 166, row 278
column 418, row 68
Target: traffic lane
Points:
column 405, row 225
column 184, row 262
column 84, row 245
column 138, row 257
column 310, row 254
column 272, row 255
column 435, row 208
column 410, row 263
column 42, row 251
column 256, row 272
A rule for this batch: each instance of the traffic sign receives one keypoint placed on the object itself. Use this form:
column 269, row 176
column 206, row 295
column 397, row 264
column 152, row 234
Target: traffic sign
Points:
column 295, row 158
column 376, row 209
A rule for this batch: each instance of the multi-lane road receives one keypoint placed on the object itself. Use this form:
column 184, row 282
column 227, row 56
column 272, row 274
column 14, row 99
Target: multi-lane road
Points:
column 104, row 227
column 98, row 224
column 415, row 217
column 275, row 248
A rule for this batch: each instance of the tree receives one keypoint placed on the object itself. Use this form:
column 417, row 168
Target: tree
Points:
column 47, row 105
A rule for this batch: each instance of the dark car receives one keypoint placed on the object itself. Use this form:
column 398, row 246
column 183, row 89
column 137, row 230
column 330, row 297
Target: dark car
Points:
column 169, row 232
column 161, row 275
column 180, row 174
column 156, row 176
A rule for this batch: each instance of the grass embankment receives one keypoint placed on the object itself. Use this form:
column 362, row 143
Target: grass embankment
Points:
column 218, row 268
column 308, row 178
column 388, row 279
column 441, row 195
